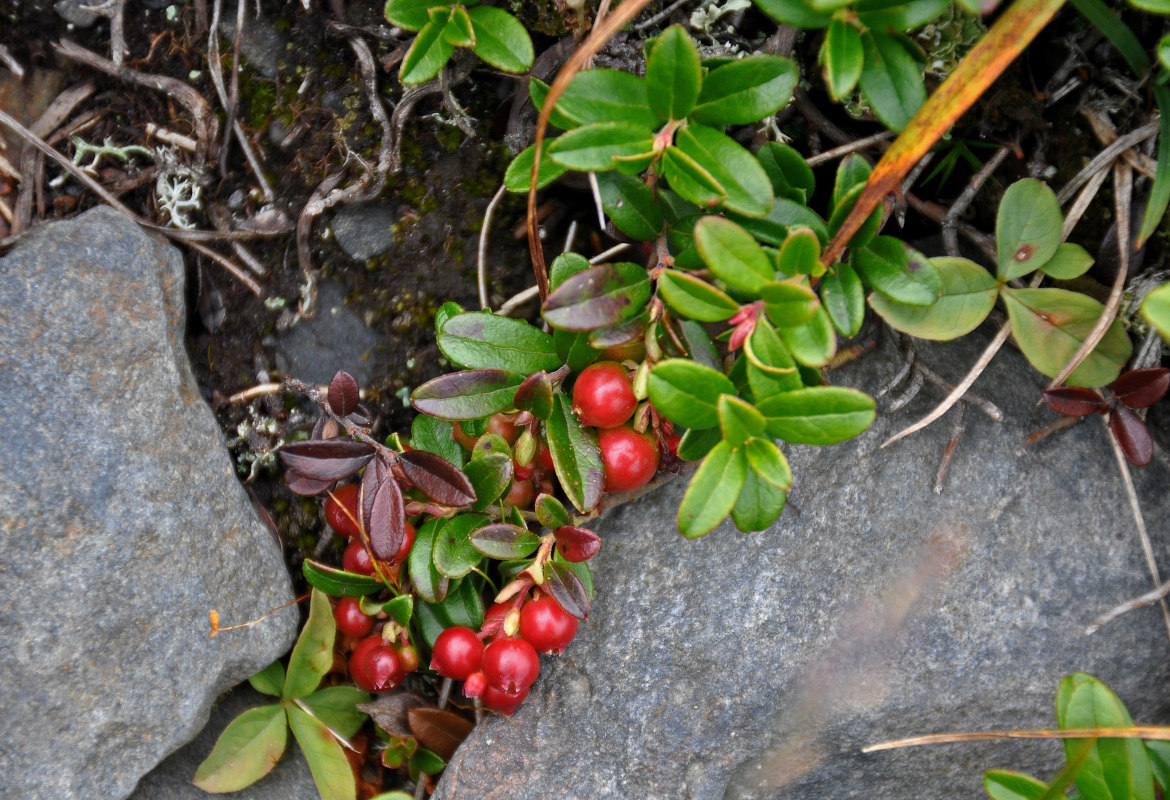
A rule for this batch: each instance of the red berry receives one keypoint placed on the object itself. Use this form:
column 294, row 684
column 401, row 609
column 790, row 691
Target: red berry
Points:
column 603, row 396
column 350, row 617
column 457, row 653
column 523, row 472
column 510, row 664
column 356, row 559
column 547, row 626
column 341, row 510
column 408, row 660
column 373, row 666
column 630, row 458
column 407, row 543
column 503, row 702
column 475, row 685
column 544, row 458
column 521, row 494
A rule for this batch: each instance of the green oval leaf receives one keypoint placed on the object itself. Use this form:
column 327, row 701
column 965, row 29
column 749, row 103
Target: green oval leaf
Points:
column 1156, row 310
column 1114, row 768
column 598, row 297
column 430, row 585
column 601, row 95
column 550, row 512
column 535, row 395
column 434, row 436
column 593, row 148
column 410, row 15
column 454, row 554
column 759, row 504
column 785, row 214
column 1004, row 785
column 852, row 172
column 1068, row 262
column 738, row 420
column 312, row 656
column 518, row 176
column 694, row 298
column 1027, row 228
column 688, row 393
column 246, row 751
column 797, row 13
column 503, row 541
column 770, row 367
column 470, row 394
column 898, row 15
column 336, row 707
column 789, row 303
column 814, row 343
column 576, row 456
column 482, row 340
column 891, row 78
column 1050, row 324
column 339, row 583
column 968, row 295
column 899, row 272
column 458, row 30
column 736, row 170
column 844, row 298
column 630, row 204
column 713, row 491
column 500, row 39
column 269, row 680
column 800, row 253
column 690, row 180
column 326, row 757
column 696, row 444
column 745, row 91
column 789, row 173
column 818, row 415
column 733, row 255
column 766, row 460
column 673, row 74
column 841, row 58
column 463, row 605
column 427, row 54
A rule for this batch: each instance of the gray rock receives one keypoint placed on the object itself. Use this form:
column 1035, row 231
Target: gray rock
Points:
column 335, row 338
column 364, row 231
column 758, row 666
column 123, row 523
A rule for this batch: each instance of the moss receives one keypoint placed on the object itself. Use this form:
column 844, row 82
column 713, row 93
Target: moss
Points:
column 449, row 137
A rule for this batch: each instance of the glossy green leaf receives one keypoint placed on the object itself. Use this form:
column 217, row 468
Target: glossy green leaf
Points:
column 696, row 444
column 246, row 751
column 1159, row 755
column 744, row 91
column 446, row 311
column 766, row 460
column 598, row 297
column 518, row 176
column 852, row 172
column 1004, row 785
column 490, row 475
column 841, row 58
column 789, row 173
column 327, row 761
column 269, row 680
column 576, row 456
column 430, row 585
column 841, row 211
column 789, row 303
column 1068, row 262
column 425, row 762
column 694, row 298
column 733, row 255
column 565, row 266
column 673, row 74
column 770, row 367
column 625, row 332
column 968, row 295
column 814, row 343
column 900, row 273
column 470, row 394
column 759, row 504
column 428, row 623
column 463, row 605
column 1115, row 768
column 1027, row 228
column 339, row 583
column 574, row 348
column 700, row 348
column 312, row 655
column 427, row 54
column 399, row 608
column 797, row 13
column 818, row 415
column 336, row 707
column 1050, row 324
column 500, row 39
column 550, row 512
column 785, row 214
column 738, row 420
column 713, row 490
column 843, row 297
column 410, row 15
column 631, row 205
column 891, row 79
column 454, row 554
column 502, row 541
column 800, row 253
column 482, row 340
column 735, row 169
column 690, row 180
column 593, row 148
column 898, row 15
column 434, row 436
column 458, row 31
column 1156, row 310
column 601, row 95
column 688, row 393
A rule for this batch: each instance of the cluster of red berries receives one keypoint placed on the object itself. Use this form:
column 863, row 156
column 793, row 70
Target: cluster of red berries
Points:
column 501, row 672
column 603, row 398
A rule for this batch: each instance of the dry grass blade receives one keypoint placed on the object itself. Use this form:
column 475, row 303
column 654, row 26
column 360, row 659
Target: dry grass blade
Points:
column 1155, row 732
column 1149, row 598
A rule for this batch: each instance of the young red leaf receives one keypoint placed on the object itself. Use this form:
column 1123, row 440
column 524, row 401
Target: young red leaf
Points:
column 387, row 520
column 577, row 544
column 567, row 589
column 437, row 477
column 343, row 393
column 1074, row 401
column 328, row 460
column 1141, row 388
column 304, row 486
column 1133, row 436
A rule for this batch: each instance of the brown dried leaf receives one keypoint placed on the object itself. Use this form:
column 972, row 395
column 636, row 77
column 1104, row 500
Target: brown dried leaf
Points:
column 389, row 711
column 343, row 393
column 437, row 477
column 326, row 460
column 437, row 730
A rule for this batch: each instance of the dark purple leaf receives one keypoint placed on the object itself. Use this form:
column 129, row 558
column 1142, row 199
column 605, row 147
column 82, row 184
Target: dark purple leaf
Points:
column 470, row 394
column 306, row 487
column 598, row 297
column 567, row 589
column 1074, row 401
column 325, row 428
column 387, row 520
column 622, row 333
column 504, row 542
column 1141, row 388
column 535, row 395
column 360, row 416
column 343, row 393
column 438, row 730
column 372, row 478
column 327, row 459
column 437, row 477
column 577, row 544
column 1133, row 436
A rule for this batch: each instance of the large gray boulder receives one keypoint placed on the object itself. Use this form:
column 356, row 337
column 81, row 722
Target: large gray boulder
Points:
column 123, row 523
column 758, row 666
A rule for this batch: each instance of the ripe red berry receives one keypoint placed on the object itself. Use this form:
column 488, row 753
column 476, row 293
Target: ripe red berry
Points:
column 457, row 653
column 521, row 494
column 630, row 458
column 356, row 559
column 603, row 395
column 510, row 664
column 374, row 666
column 547, row 626
column 407, row 543
column 341, row 510
column 351, row 619
column 503, row 702
column 544, row 458
column 475, row 685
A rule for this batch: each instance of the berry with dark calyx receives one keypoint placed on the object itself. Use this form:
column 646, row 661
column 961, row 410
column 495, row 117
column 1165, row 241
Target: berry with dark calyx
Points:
column 503, row 702
column 630, row 458
column 351, row 619
column 341, row 510
column 374, row 666
column 510, row 664
column 603, row 395
column 355, row 559
column 457, row 653
column 547, row 626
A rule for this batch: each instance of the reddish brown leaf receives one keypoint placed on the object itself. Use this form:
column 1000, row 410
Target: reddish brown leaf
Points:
column 437, row 730
column 1141, row 388
column 577, row 544
column 371, row 479
column 326, row 460
column 1133, row 436
column 1075, row 401
column 387, row 520
column 360, row 416
column 566, row 588
column 437, row 477
column 306, row 487
column 343, row 393
column 389, row 711
column 325, row 428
